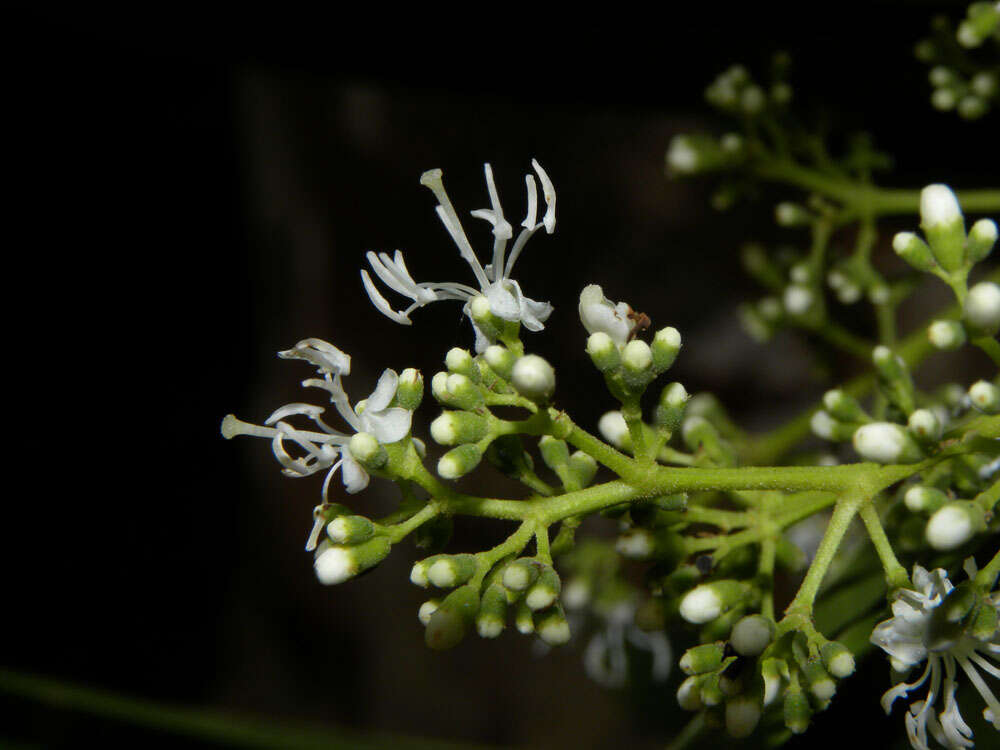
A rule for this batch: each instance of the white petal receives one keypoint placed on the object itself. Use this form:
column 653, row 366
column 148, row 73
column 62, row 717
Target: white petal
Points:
column 388, row 426
column 549, row 192
column 529, row 217
column 292, row 409
column 354, row 476
column 384, row 391
column 380, row 302
column 503, row 303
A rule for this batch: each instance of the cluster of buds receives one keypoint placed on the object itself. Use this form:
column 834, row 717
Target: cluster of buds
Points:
column 752, row 671
column 734, row 90
column 353, row 543
column 699, row 153
column 528, row 586
column 950, row 523
column 796, row 297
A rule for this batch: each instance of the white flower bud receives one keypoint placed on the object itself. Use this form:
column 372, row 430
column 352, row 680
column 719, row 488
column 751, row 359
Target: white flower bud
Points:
column 364, row 447
column 689, row 695
column 637, row 356
column 925, row 425
column 731, row 143
column 701, row 604
column 613, row 429
column 984, row 84
column 982, row 237
column 427, row 609
column 943, row 99
column 790, row 215
column 576, row 593
column 985, row 396
column 982, row 307
column 752, row 634
column 335, row 565
column 533, row 377
column 939, row 76
column 952, row 526
column 682, row 156
column 920, row 498
column 635, row 544
column 946, row 334
column 752, row 100
column 885, row 443
column 938, row 206
column 823, row 425
column 798, row 299
column 742, row 715
column 603, row 351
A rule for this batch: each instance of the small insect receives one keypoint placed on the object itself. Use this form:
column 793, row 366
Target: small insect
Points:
column 640, row 322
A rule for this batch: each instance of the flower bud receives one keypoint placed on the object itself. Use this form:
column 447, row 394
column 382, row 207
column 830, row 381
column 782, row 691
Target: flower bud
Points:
column 711, row 690
column 925, row 425
column 338, row 563
column 521, row 574
column 524, row 619
column 490, row 620
column 447, row 625
column 460, row 361
column 982, row 237
column 689, row 695
column 843, row 406
column 577, row 593
column 637, row 359
column 942, row 222
column 322, row 515
column 463, row 392
column 982, row 308
column 448, row 571
column 742, row 715
column 666, row 345
column 533, row 378
column 985, row 623
column 459, row 461
column 895, row 378
column 555, row 452
column 350, row 529
column 492, row 326
column 774, row 672
column 583, row 467
column 670, row 410
column 613, row 428
column 985, row 396
column 603, row 351
column 500, row 359
column 752, row 634
column 944, row 99
column 552, row 627
column 984, row 84
column 828, row 428
column 709, row 600
column 821, row 685
column 837, row 659
column 410, row 389
column 923, row 499
column 752, row 100
column 954, row 524
column 544, row 592
column 787, row 214
column 439, row 388
column 457, row 427
column 886, row 443
column 427, row 609
column 702, row 659
column 946, row 334
column 914, row 251
column 798, row 300
column 796, row 711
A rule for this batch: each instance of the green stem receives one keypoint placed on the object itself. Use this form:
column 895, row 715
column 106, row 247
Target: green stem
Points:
column 987, row 577
column 895, row 574
column 765, row 572
column 397, row 532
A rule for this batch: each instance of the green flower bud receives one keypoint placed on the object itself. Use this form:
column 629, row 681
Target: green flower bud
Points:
column 985, row 396
column 555, row 452
column 706, row 602
column 821, row 685
column 984, row 84
column 943, row 225
column 410, row 389
column 982, row 237
column 666, row 345
column 711, row 690
column 366, row 449
column 447, row 625
column 742, row 715
column 914, row 251
column 689, row 695
column 670, row 409
column 954, row 524
column 418, row 573
column 774, row 673
column 972, row 107
column 796, row 711
column 895, row 378
column 500, row 359
column 337, row 563
column 463, row 392
column 457, row 427
column 521, row 574
column 427, row 609
column 752, row 100
column 702, row 659
column 603, row 351
column 552, row 627
column 825, row 426
column 451, row 570
column 492, row 326
column 533, row 378
column 837, row 659
column 439, row 388
column 844, row 407
column 459, row 461
column 923, row 499
column 886, row 443
column 946, row 334
column 491, row 619
column 460, row 361
column 583, row 467
column 982, row 309
column 350, row 529
column 524, row 619
column 544, row 592
column 985, row 623
column 752, row 634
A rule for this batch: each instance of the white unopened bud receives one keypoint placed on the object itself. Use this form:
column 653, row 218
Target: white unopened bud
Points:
column 885, row 443
column 943, row 99
column 335, row 565
column 637, row 356
column 938, row 206
column 752, row 634
column 925, row 425
column 982, row 237
column 982, row 307
column 364, row 447
column 700, row 605
column 953, row 525
column 920, row 498
column 635, row 544
column 939, row 76
column 790, row 215
column 689, row 695
column 613, row 428
column 984, row 84
column 533, row 377
column 742, row 715
column 823, row 425
column 427, row 609
column 681, row 156
column 946, row 334
column 985, row 396
column 798, row 299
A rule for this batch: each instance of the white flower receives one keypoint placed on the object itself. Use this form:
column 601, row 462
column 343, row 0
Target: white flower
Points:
column 327, row 449
column 502, row 293
column 910, row 638
column 600, row 315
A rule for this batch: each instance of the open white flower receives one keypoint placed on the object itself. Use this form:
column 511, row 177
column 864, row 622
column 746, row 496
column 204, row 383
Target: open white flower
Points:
column 600, row 315
column 502, row 293
column 327, row 449
column 910, row 638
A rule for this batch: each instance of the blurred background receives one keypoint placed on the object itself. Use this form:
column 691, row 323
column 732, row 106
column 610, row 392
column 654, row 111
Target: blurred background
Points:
column 195, row 194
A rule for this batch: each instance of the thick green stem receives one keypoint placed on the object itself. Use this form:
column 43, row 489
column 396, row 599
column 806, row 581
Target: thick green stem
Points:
column 987, row 577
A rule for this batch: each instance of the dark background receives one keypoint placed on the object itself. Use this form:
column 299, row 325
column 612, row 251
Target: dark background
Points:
column 195, row 193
